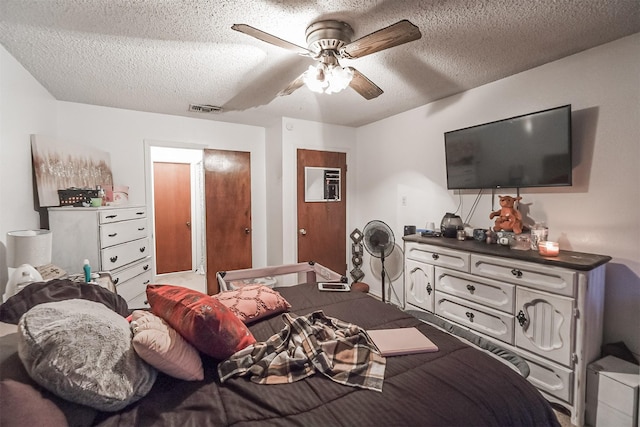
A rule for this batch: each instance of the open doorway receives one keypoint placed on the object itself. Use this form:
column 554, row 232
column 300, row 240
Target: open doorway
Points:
column 186, row 163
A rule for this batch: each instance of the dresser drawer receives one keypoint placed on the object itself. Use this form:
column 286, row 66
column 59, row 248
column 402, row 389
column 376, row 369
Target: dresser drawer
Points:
column 129, row 271
column 116, row 256
column 122, row 231
column 442, row 257
column 139, row 302
column 494, row 323
column 490, row 293
column 619, row 391
column 552, row 279
column 550, row 378
column 134, row 286
column 122, row 214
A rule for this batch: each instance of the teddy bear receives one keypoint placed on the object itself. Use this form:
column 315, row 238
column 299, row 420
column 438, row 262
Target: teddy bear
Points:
column 508, row 217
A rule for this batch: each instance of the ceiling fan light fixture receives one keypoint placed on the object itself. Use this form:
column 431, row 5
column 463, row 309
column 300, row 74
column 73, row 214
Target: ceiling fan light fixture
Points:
column 339, row 79
column 321, row 78
column 330, row 40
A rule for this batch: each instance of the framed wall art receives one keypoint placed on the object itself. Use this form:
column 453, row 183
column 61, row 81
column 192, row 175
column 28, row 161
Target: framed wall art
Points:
column 59, row 166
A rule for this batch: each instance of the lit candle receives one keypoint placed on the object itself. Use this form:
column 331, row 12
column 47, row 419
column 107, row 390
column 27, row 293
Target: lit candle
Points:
column 548, row 248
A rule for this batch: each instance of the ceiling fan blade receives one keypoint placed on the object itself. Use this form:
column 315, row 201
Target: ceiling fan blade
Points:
column 293, row 86
column 393, row 35
column 365, row 87
column 266, row 37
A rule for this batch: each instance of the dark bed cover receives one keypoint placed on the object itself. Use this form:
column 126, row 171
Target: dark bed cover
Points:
column 456, row 386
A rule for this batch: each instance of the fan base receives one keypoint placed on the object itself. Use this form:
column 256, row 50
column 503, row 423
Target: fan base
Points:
column 360, row 287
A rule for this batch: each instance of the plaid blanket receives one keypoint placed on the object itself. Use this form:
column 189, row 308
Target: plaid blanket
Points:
column 315, row 342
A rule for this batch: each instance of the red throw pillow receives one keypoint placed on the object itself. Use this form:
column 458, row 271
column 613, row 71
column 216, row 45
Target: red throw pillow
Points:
column 201, row 319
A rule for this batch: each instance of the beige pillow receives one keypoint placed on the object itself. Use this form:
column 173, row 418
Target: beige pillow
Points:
column 253, row 302
column 164, row 348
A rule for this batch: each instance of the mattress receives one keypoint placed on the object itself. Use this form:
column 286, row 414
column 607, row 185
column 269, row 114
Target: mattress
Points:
column 459, row 385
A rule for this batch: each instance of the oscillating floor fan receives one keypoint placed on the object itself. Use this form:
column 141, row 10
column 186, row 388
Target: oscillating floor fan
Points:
column 393, row 266
column 379, row 241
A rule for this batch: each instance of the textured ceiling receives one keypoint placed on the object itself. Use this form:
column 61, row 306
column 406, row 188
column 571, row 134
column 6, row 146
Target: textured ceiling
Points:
column 161, row 56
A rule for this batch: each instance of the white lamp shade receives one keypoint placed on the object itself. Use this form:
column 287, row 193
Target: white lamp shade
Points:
column 31, row 247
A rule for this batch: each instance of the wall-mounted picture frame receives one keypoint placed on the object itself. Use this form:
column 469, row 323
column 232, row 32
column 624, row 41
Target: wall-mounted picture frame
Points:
column 60, row 166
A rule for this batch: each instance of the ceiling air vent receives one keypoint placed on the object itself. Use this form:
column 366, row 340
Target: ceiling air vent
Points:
column 204, row 108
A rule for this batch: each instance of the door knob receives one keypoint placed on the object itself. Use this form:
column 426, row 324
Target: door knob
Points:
column 188, row 224
column 247, row 231
column 303, row 232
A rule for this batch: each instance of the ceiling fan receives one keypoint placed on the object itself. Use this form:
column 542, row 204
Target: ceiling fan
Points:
column 330, row 40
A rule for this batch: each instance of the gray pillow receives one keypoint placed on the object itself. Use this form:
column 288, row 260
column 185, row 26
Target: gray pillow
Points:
column 81, row 351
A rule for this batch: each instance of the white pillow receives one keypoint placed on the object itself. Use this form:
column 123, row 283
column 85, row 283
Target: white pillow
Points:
column 164, row 348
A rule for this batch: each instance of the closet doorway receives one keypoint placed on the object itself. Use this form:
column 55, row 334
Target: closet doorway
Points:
column 175, row 184
column 172, row 210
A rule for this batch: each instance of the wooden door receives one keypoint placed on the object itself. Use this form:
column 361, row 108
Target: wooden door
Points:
column 227, row 182
column 322, row 226
column 172, row 213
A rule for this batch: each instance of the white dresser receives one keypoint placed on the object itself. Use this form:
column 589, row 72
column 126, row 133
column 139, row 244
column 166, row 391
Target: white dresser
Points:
column 546, row 310
column 113, row 239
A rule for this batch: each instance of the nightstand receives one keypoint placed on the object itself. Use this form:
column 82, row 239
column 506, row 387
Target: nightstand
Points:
column 612, row 393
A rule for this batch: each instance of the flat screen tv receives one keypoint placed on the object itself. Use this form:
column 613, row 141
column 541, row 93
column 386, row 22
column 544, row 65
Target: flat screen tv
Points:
column 532, row 150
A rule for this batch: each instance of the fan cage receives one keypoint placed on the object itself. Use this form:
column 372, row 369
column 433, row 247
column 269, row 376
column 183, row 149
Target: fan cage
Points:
column 370, row 229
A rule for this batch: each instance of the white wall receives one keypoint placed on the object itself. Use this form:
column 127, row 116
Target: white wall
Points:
column 402, row 158
column 25, row 108
column 123, row 132
column 274, row 183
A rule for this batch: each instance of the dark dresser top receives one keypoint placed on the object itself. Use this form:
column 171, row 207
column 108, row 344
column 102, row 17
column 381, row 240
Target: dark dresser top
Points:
column 568, row 259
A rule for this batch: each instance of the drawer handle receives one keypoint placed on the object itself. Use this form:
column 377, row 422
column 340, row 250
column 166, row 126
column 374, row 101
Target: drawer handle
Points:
column 141, row 228
column 523, row 320
column 142, row 249
column 111, row 216
column 435, row 256
column 114, row 258
column 469, row 316
column 146, row 302
column 146, row 282
column 429, row 288
column 516, row 272
column 146, row 267
column 139, row 213
column 471, row 288
column 113, row 234
column 116, row 280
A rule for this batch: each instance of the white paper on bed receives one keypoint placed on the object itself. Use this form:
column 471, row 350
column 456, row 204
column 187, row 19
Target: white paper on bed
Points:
column 395, row 342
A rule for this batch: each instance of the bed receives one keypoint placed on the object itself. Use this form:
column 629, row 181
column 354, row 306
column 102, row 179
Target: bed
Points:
column 459, row 385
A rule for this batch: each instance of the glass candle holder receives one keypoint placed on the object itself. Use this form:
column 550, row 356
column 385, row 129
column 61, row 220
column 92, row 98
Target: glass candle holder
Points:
column 546, row 248
column 521, row 242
